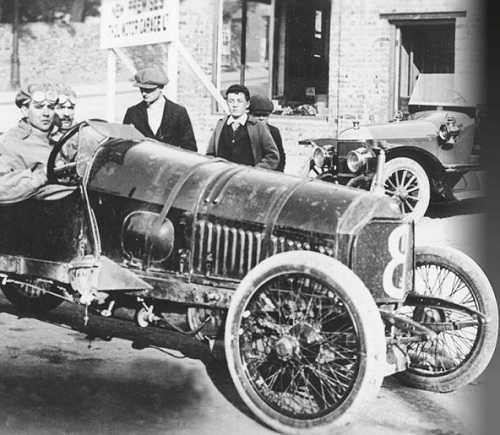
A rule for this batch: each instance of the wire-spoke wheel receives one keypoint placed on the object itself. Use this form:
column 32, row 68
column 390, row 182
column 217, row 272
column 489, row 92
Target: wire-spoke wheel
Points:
column 465, row 342
column 28, row 295
column 304, row 342
column 407, row 181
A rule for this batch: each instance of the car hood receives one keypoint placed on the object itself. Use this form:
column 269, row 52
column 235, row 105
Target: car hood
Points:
column 155, row 173
column 424, row 124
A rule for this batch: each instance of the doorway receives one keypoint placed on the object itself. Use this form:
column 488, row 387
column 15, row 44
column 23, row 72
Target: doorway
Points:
column 425, row 47
column 301, row 61
column 277, row 48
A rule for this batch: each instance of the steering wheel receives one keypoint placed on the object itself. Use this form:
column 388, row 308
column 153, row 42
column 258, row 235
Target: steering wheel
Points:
column 60, row 174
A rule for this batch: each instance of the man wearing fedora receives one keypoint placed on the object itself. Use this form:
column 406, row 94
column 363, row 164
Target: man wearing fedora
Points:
column 156, row 116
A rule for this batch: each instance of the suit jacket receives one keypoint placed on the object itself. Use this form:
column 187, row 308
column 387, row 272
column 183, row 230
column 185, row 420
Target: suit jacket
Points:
column 175, row 127
column 264, row 150
column 275, row 133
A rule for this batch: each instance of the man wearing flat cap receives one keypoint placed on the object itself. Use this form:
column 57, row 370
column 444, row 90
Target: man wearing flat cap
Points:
column 25, row 148
column 261, row 107
column 156, row 116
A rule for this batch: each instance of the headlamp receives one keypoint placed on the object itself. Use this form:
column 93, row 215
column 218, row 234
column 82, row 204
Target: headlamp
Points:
column 319, row 157
column 357, row 159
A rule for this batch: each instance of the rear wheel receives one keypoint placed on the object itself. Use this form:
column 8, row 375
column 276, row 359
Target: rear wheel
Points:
column 28, row 295
column 465, row 343
column 407, row 181
column 304, row 342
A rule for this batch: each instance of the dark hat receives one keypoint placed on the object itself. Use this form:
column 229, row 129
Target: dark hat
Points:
column 150, row 78
column 260, row 105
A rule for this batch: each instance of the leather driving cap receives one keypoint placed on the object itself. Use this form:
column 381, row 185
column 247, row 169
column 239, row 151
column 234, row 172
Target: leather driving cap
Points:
column 150, row 78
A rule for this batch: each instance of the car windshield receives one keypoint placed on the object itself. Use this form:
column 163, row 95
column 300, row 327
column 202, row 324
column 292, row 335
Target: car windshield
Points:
column 94, row 133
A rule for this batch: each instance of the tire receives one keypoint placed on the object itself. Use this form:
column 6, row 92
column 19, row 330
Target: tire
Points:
column 272, row 317
column 455, row 357
column 30, row 299
column 407, row 181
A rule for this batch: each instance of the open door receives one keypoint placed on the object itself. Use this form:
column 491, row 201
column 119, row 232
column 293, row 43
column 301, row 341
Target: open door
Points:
column 301, row 62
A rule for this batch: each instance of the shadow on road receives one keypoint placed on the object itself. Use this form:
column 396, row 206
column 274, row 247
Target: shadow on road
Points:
column 77, row 394
column 455, row 208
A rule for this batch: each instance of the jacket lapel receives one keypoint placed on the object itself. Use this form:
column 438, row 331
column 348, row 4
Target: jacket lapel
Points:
column 253, row 134
column 142, row 115
column 218, row 132
column 165, row 120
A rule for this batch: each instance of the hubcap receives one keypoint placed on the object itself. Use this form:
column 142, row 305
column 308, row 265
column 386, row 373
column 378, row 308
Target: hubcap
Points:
column 286, row 347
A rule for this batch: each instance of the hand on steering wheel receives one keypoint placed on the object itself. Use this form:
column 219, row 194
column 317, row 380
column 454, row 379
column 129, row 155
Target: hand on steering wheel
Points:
column 61, row 174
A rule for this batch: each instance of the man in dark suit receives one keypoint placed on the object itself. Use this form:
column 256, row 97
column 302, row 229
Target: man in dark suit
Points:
column 241, row 138
column 156, row 116
column 261, row 107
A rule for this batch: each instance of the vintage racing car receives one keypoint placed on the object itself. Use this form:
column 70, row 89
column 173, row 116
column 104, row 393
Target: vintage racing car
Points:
column 316, row 288
column 432, row 154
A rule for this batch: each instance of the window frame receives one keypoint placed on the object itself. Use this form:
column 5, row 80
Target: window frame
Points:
column 398, row 20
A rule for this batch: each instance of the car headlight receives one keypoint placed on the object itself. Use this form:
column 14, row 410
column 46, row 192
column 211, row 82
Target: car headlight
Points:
column 319, row 157
column 357, row 159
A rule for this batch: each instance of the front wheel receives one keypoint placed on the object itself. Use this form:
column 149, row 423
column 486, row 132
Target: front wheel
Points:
column 405, row 180
column 465, row 343
column 304, row 342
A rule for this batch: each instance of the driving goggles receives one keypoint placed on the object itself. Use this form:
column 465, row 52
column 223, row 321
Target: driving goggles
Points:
column 63, row 98
column 41, row 96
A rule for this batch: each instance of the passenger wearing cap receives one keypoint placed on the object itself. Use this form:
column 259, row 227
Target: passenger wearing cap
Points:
column 261, row 107
column 25, row 148
column 241, row 138
column 156, row 116
column 64, row 120
column 65, row 107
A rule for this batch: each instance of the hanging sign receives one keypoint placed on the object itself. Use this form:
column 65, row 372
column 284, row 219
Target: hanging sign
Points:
column 125, row 23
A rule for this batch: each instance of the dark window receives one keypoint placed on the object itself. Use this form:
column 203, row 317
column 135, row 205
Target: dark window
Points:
column 278, row 48
column 425, row 48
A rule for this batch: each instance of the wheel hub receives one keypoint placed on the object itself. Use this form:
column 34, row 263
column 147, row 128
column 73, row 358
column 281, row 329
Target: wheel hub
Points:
column 401, row 193
column 286, row 347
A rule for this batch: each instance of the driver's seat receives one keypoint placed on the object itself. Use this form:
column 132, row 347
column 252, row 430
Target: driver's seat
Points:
column 45, row 227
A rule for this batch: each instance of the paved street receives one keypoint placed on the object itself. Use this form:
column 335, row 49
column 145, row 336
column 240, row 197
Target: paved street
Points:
column 55, row 380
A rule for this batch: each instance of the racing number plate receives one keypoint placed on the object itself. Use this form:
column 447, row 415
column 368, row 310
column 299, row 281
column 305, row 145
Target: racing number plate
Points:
column 383, row 259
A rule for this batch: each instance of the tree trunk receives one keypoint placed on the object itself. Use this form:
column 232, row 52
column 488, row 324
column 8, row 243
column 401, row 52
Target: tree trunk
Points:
column 77, row 10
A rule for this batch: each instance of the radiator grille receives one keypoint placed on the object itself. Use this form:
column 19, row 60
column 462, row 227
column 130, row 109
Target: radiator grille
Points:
column 226, row 250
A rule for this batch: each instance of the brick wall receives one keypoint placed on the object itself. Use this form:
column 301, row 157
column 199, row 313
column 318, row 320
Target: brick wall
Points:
column 361, row 78
column 361, row 74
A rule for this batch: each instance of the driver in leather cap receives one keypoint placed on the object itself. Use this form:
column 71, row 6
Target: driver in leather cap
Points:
column 25, row 148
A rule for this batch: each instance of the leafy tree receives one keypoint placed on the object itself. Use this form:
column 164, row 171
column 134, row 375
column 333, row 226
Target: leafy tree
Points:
column 49, row 10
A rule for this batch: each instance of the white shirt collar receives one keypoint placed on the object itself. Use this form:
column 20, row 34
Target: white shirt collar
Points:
column 242, row 120
column 155, row 113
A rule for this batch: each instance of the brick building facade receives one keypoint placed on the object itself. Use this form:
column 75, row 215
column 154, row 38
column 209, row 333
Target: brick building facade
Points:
column 342, row 59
